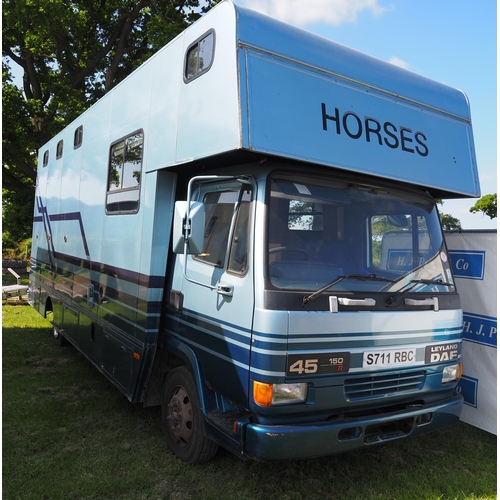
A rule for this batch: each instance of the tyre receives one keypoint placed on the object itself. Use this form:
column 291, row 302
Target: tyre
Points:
column 62, row 341
column 182, row 419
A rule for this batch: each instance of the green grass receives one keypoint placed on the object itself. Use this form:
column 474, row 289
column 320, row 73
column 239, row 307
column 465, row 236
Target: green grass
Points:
column 68, row 434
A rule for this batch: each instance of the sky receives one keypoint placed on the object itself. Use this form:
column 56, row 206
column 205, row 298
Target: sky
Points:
column 451, row 41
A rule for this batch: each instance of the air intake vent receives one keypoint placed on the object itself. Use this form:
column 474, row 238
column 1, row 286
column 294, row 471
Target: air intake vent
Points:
column 383, row 385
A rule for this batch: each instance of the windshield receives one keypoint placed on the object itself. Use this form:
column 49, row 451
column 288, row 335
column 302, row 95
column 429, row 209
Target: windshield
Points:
column 321, row 231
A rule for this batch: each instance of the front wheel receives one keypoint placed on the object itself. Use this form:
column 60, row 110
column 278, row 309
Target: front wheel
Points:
column 182, row 419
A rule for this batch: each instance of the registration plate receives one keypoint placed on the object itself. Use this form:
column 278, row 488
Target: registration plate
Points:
column 388, row 358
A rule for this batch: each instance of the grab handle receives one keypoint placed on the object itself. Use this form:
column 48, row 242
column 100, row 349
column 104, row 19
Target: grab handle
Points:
column 432, row 301
column 356, row 302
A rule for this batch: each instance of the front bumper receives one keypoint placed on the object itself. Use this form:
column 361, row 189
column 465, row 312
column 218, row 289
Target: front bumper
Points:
column 292, row 442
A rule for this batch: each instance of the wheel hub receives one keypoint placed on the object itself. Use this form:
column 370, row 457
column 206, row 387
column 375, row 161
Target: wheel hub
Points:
column 180, row 416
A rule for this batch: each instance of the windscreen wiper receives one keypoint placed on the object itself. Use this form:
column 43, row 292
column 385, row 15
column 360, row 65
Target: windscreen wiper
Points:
column 338, row 279
column 395, row 300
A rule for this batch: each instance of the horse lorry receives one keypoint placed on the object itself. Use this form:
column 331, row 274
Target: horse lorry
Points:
column 244, row 231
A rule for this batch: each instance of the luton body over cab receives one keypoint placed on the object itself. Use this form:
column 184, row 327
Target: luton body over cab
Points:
column 244, row 231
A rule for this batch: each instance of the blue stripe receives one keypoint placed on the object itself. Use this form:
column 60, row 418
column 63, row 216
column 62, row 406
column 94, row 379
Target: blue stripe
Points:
column 217, row 338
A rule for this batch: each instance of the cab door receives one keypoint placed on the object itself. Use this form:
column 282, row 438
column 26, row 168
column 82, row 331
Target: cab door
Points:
column 217, row 289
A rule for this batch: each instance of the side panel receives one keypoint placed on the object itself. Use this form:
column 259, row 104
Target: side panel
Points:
column 299, row 113
column 104, row 274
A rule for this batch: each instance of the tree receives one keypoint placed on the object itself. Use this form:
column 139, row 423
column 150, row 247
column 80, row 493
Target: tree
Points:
column 71, row 52
column 449, row 222
column 487, row 204
column 18, row 179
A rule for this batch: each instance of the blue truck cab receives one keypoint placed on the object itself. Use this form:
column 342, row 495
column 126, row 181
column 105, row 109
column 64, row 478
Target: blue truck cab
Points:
column 250, row 239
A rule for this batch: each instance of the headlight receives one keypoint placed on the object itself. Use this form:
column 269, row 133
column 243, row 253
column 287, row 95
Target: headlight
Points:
column 279, row 394
column 452, row 373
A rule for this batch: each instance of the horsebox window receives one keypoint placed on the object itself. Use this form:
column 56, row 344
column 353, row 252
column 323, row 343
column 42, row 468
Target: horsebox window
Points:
column 78, row 139
column 124, row 174
column 199, row 56
column 59, row 149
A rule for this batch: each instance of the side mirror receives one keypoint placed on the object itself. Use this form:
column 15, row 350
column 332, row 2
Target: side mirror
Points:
column 191, row 232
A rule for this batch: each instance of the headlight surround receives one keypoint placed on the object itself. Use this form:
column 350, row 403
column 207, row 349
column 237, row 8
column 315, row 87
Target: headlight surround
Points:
column 452, row 373
column 279, row 394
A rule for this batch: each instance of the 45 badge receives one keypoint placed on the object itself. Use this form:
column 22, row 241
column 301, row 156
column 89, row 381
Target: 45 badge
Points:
column 317, row 364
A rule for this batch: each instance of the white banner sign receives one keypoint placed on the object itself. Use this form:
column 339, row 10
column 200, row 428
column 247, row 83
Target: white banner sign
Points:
column 474, row 258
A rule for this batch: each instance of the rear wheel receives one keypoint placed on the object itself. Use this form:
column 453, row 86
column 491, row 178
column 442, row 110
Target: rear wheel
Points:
column 182, row 419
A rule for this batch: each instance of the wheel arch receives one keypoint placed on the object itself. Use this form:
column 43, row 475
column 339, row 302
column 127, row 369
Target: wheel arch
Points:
column 188, row 357
column 172, row 354
column 47, row 307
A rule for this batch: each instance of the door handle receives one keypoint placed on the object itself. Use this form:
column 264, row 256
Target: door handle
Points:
column 225, row 290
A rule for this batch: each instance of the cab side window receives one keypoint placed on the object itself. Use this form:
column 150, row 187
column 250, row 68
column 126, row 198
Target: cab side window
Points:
column 227, row 229
column 219, row 207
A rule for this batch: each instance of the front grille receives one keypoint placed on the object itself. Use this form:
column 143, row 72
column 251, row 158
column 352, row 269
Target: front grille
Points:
column 383, row 385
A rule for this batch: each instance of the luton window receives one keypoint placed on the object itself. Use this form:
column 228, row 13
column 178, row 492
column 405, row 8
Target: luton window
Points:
column 199, row 57
column 124, row 174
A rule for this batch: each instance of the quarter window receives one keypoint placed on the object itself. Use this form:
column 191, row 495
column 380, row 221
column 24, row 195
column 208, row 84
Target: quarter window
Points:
column 124, row 174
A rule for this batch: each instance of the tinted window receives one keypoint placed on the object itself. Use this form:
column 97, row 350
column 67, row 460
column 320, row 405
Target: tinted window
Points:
column 321, row 230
